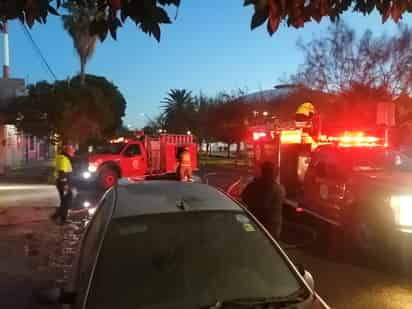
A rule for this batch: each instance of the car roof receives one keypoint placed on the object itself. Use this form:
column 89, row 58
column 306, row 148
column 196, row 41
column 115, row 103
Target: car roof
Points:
column 155, row 197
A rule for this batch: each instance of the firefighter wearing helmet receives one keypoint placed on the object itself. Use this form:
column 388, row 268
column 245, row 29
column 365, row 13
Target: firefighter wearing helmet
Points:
column 305, row 112
column 184, row 164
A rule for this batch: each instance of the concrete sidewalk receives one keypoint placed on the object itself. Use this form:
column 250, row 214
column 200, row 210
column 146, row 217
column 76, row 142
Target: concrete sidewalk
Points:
column 34, row 172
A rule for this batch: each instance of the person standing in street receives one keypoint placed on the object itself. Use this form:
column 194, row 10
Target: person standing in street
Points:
column 64, row 185
column 184, row 167
column 264, row 198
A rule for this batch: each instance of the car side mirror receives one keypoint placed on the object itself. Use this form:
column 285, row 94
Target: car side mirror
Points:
column 307, row 276
column 53, row 296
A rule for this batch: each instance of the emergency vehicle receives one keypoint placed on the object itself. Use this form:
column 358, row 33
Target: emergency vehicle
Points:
column 351, row 179
column 136, row 158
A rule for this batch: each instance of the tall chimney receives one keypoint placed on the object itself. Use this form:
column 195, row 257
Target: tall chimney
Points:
column 6, row 56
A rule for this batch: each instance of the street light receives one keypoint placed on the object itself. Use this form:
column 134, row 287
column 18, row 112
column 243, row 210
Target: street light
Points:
column 265, row 113
column 189, row 132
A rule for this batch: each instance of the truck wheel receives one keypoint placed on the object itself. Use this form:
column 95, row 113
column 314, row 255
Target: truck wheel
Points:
column 108, row 178
column 359, row 233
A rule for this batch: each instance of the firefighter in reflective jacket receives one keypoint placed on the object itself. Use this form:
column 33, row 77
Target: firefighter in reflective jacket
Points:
column 184, row 167
column 63, row 171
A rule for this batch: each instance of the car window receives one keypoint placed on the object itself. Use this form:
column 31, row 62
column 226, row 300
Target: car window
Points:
column 114, row 148
column 132, row 151
column 187, row 260
column 91, row 241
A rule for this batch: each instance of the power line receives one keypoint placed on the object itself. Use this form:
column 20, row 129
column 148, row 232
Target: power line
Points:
column 38, row 50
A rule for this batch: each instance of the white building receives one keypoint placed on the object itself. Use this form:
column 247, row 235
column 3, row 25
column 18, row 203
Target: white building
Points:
column 16, row 148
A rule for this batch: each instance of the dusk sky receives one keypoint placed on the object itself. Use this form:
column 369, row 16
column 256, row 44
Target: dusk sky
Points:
column 209, row 48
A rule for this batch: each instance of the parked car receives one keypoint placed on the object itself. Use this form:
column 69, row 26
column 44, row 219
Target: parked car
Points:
column 167, row 244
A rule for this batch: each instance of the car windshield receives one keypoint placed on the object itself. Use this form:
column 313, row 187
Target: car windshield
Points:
column 377, row 159
column 114, row 148
column 187, row 260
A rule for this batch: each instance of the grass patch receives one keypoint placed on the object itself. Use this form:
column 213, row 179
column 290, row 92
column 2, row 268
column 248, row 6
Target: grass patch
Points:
column 221, row 161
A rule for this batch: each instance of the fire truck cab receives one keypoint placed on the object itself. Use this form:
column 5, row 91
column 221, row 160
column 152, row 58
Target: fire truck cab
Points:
column 136, row 158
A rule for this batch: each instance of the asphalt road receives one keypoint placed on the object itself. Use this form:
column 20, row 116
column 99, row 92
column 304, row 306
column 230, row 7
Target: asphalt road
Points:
column 346, row 278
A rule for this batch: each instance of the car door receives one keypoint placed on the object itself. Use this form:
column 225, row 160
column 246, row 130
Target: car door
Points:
column 133, row 161
column 313, row 177
column 335, row 185
column 332, row 185
column 89, row 249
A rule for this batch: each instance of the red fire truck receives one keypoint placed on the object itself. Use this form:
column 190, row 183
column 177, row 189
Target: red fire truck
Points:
column 351, row 179
column 135, row 158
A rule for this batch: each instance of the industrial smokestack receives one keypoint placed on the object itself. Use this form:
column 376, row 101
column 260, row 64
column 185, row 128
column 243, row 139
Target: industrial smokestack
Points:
column 6, row 55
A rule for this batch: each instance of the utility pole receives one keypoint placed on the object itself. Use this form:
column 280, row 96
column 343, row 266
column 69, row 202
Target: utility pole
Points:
column 6, row 54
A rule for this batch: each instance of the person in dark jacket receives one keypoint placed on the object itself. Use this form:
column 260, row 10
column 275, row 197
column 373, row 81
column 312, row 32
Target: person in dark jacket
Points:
column 64, row 185
column 264, row 199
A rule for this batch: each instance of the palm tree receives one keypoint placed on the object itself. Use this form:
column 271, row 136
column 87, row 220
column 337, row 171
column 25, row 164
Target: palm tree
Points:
column 179, row 110
column 77, row 24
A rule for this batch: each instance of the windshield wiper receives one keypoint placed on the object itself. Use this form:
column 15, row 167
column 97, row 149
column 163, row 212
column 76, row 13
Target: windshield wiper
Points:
column 277, row 301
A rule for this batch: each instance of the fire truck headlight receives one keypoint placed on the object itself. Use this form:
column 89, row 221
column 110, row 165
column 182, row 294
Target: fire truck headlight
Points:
column 86, row 175
column 92, row 168
column 402, row 209
column 91, row 211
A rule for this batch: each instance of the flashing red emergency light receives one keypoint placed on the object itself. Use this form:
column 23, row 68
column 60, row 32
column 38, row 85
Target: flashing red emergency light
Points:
column 258, row 135
column 118, row 140
column 354, row 139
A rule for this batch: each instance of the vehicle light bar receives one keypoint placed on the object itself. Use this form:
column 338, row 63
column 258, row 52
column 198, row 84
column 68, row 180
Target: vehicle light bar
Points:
column 118, row 140
column 354, row 139
column 258, row 135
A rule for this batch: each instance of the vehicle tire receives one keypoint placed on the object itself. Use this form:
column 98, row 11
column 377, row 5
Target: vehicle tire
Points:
column 358, row 232
column 108, row 178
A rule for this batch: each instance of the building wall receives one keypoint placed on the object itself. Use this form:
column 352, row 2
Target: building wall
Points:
column 17, row 149
column 11, row 148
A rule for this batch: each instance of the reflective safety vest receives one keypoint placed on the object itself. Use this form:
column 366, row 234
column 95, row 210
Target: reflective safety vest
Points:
column 185, row 160
column 62, row 164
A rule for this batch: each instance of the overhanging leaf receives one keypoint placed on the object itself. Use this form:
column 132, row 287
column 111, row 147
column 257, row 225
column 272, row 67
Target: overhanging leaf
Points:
column 248, row 2
column 156, row 32
column 273, row 24
column 259, row 18
column 53, row 11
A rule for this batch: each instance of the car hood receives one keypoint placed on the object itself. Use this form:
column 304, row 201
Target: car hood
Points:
column 99, row 158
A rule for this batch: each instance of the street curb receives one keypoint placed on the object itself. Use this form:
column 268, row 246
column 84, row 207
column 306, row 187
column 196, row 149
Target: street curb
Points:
column 21, row 215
